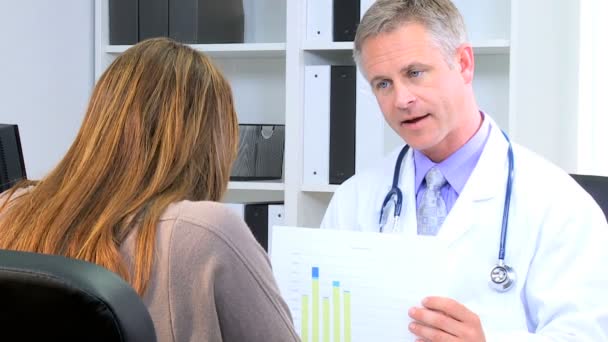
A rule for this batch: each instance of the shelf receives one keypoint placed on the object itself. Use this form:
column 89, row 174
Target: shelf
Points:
column 487, row 47
column 324, row 46
column 246, row 50
column 319, row 187
column 261, row 185
column 492, row 47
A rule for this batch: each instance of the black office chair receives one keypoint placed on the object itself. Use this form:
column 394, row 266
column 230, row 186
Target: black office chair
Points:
column 52, row 298
column 597, row 187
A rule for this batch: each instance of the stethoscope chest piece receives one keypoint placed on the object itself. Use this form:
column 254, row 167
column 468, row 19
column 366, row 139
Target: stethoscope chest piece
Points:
column 502, row 277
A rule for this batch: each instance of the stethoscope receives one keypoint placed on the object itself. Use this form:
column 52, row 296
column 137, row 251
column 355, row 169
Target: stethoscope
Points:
column 502, row 276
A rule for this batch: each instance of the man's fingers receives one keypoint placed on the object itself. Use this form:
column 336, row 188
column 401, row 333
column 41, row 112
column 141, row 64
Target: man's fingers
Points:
column 427, row 333
column 450, row 307
column 436, row 320
column 444, row 319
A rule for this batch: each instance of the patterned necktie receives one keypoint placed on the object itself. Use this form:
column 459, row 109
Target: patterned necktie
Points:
column 432, row 210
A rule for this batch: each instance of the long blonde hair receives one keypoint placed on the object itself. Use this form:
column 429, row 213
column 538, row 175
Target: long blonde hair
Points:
column 160, row 128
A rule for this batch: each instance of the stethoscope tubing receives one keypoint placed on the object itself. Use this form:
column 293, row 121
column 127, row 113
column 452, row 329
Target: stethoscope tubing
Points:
column 398, row 201
column 507, row 204
column 394, row 191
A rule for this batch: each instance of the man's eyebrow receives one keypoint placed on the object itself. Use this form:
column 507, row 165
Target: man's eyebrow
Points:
column 410, row 66
column 377, row 78
column 414, row 65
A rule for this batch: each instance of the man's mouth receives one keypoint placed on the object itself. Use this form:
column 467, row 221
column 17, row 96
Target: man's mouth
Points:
column 414, row 120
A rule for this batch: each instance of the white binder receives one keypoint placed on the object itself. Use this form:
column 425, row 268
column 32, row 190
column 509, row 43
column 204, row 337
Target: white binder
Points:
column 276, row 217
column 369, row 145
column 319, row 20
column 317, row 83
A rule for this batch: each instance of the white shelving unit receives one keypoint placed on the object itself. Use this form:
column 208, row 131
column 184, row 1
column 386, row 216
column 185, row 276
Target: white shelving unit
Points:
column 245, row 50
column 519, row 81
column 262, row 186
column 488, row 47
column 255, row 69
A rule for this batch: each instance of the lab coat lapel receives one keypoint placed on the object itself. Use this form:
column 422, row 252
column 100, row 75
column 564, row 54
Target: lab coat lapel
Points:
column 408, row 211
column 485, row 183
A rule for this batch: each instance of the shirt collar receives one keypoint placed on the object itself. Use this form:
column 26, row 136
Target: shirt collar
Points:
column 457, row 167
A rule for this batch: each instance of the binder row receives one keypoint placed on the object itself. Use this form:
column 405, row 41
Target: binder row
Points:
column 329, row 123
column 335, row 20
column 261, row 217
column 342, row 124
column 187, row 21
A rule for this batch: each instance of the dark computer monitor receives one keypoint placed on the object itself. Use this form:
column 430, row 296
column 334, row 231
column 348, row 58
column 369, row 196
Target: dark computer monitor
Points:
column 12, row 167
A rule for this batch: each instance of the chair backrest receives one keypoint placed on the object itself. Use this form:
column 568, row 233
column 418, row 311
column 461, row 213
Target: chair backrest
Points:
column 53, row 298
column 597, row 187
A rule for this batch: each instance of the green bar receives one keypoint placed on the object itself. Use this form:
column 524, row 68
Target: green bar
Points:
column 347, row 316
column 304, row 327
column 315, row 310
column 326, row 326
column 336, row 302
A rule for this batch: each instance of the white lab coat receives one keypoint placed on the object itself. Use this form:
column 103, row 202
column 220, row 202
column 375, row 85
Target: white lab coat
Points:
column 557, row 243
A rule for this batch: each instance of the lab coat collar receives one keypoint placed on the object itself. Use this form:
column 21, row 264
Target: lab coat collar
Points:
column 489, row 177
column 487, row 182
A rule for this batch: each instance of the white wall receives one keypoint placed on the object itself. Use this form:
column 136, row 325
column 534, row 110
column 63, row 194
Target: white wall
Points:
column 46, row 74
column 544, row 79
column 592, row 123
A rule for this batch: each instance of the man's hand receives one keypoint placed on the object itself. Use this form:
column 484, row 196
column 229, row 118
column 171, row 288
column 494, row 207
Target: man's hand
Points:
column 444, row 319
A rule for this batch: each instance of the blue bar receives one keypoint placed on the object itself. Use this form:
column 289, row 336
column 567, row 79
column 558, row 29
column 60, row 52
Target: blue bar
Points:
column 336, row 284
column 315, row 273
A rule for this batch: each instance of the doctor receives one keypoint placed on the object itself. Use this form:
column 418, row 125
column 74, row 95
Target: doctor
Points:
column 454, row 179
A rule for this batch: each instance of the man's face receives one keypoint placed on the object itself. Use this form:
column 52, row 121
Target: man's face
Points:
column 421, row 96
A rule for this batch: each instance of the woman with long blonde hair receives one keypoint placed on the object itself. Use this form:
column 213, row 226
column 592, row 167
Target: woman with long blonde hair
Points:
column 137, row 193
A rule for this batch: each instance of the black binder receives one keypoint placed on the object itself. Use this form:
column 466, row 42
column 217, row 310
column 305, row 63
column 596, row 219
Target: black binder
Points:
column 346, row 19
column 256, row 217
column 342, row 119
column 123, row 22
column 12, row 166
column 206, row 21
column 153, row 19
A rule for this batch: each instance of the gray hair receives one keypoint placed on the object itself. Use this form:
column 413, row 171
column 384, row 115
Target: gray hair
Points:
column 440, row 17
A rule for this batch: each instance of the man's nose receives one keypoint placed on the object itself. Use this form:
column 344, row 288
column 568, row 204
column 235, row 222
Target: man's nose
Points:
column 404, row 97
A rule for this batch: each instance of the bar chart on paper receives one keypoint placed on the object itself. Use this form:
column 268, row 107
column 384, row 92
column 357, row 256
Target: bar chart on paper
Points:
column 327, row 325
column 344, row 286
